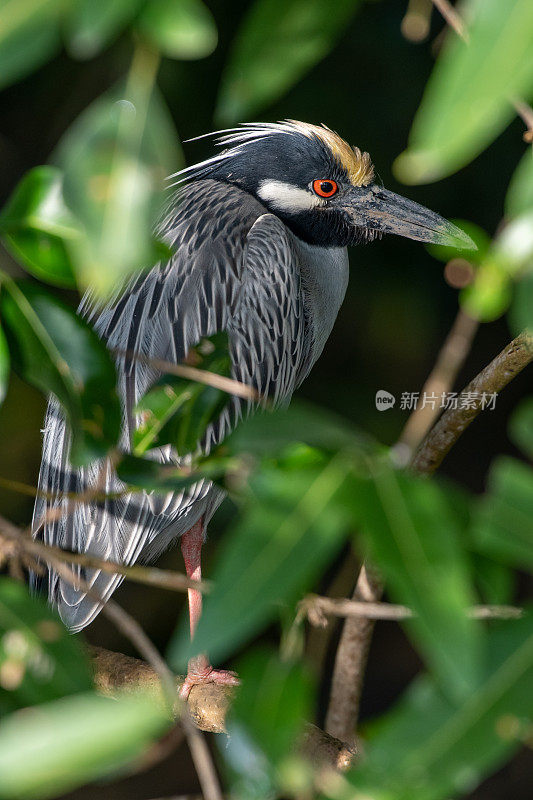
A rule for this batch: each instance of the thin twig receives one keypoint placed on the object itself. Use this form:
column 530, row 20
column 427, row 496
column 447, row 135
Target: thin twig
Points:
column 149, row 576
column 228, row 385
column 318, row 608
column 439, row 383
column 472, row 400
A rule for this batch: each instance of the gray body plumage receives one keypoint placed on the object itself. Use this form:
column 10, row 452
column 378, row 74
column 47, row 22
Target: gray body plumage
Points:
column 236, row 268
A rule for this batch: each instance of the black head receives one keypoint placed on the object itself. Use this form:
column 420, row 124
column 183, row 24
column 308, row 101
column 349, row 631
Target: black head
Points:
column 322, row 188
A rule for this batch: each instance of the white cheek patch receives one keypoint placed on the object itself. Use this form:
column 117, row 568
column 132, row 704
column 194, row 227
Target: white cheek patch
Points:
column 286, row 197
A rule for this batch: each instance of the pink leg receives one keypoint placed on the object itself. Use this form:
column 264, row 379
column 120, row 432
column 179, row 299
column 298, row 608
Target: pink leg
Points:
column 199, row 669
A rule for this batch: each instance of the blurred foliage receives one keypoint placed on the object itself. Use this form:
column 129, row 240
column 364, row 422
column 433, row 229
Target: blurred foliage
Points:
column 305, row 482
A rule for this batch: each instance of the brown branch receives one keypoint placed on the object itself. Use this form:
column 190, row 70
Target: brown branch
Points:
column 228, row 385
column 317, row 609
column 472, row 400
column 350, row 661
column 150, row 576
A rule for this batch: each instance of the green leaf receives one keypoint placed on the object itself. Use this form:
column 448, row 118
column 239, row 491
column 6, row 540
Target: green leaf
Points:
column 178, row 411
column 116, row 157
column 39, row 659
column 429, row 749
column 72, row 741
column 503, row 524
column 4, row 366
column 519, row 198
column 521, row 311
column 90, row 26
column 480, row 238
column 29, row 37
column 153, row 476
column 35, row 224
column 521, row 427
column 292, row 526
column 55, row 350
column 276, row 44
column 265, row 721
column 490, row 293
column 183, row 29
column 413, row 536
column 467, row 102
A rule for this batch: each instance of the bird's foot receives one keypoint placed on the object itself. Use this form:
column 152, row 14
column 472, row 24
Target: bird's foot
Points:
column 201, row 671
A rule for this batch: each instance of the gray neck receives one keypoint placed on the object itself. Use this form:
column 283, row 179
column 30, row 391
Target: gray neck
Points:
column 324, row 272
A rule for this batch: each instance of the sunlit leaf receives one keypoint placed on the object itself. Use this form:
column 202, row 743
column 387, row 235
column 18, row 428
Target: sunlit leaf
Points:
column 503, row 524
column 71, row 741
column 39, row 659
column 521, row 427
column 116, row 157
column 4, row 365
column 413, row 536
column 177, row 411
column 278, row 41
column 90, row 26
column 55, row 350
column 265, row 721
column 181, row 29
column 467, row 102
column 489, row 294
column 430, row 749
column 519, row 198
column 292, row 526
column 29, row 36
column 35, row 223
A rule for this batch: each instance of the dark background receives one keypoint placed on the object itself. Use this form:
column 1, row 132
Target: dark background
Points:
column 397, row 310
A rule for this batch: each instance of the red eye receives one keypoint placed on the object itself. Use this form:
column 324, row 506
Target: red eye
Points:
column 324, row 188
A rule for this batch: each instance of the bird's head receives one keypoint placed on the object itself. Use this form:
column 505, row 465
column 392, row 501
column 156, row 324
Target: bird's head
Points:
column 321, row 187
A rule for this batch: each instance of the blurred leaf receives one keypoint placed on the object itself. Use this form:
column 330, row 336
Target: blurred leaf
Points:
column 521, row 311
column 55, row 350
column 181, row 29
column 467, row 100
column 265, row 721
column 153, row 476
column 74, row 740
column 35, row 223
column 115, row 157
column 503, row 525
column 496, row 581
column 480, row 238
column 90, row 26
column 521, row 427
column 277, row 42
column 4, row 366
column 413, row 535
column 39, row 659
column 29, row 36
column 490, row 293
column 428, row 749
column 519, row 198
column 177, row 411
column 292, row 526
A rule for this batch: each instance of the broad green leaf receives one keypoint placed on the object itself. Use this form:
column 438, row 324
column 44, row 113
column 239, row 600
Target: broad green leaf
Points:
column 90, row 26
column 496, row 581
column 50, row 749
column 35, row 224
column 521, row 311
column 413, row 536
column 177, row 411
column 293, row 524
column 55, row 350
column 29, row 36
column 39, row 659
column 519, row 198
column 467, row 102
column 521, row 427
column 181, row 29
column 277, row 42
column 4, row 365
column 503, row 525
column 265, row 721
column 430, row 749
column 116, row 157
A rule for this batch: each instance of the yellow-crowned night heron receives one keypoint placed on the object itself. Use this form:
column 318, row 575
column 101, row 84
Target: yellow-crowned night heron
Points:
column 260, row 232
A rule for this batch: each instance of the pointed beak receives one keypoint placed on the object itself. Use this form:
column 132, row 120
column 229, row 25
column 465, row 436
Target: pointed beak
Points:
column 378, row 209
